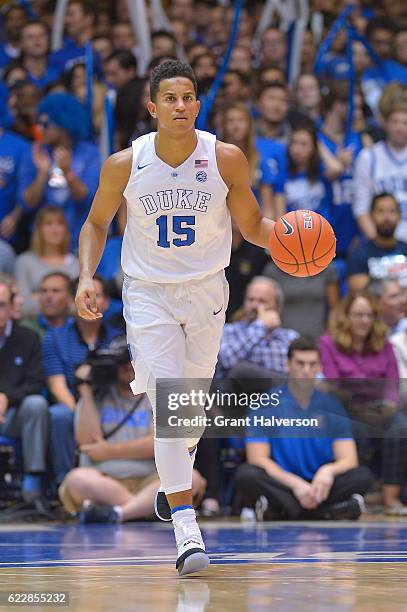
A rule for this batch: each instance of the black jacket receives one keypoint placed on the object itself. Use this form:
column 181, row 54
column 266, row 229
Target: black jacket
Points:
column 21, row 365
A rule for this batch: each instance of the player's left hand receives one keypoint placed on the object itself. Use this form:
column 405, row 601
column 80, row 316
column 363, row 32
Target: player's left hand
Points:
column 97, row 451
column 85, row 300
column 322, row 483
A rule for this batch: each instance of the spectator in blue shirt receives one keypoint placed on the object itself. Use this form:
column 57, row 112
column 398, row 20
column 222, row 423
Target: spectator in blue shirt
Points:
column 55, row 303
column 79, row 28
column 34, row 54
column 13, row 152
column 383, row 257
column 303, row 186
column 339, row 150
column 309, row 470
column 64, row 348
column 13, row 20
column 64, row 171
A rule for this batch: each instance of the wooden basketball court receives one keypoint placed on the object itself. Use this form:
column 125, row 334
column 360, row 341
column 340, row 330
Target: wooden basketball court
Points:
column 278, row 566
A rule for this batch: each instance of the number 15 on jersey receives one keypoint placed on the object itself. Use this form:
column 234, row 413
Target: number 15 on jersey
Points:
column 181, row 226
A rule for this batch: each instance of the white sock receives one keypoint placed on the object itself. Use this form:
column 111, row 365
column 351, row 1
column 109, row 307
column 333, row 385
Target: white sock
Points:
column 192, row 455
column 187, row 532
column 174, row 465
column 119, row 512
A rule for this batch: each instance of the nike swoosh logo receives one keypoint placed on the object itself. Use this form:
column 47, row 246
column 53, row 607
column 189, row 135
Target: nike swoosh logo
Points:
column 218, row 311
column 288, row 227
column 145, row 166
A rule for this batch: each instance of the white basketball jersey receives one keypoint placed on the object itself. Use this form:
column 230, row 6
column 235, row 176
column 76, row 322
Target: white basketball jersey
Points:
column 178, row 225
column 389, row 174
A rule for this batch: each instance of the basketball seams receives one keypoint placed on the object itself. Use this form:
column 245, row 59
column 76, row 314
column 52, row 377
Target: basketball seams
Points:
column 297, row 263
column 302, row 246
column 319, row 236
column 305, row 244
column 326, row 252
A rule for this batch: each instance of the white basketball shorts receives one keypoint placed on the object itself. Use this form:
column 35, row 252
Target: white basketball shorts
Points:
column 174, row 329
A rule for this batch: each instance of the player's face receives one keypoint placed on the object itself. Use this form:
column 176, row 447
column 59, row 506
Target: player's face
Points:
column 304, row 365
column 176, row 107
column 361, row 317
column 385, row 216
column 396, row 129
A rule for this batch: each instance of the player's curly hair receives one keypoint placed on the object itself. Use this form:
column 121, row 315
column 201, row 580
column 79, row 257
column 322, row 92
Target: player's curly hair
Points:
column 341, row 326
column 170, row 70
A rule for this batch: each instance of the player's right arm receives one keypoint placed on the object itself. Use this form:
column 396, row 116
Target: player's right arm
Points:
column 113, row 180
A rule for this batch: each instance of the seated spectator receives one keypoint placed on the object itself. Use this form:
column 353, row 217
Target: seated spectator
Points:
column 120, row 69
column 79, row 27
column 308, row 302
column 23, row 410
column 303, row 186
column 236, row 127
column 55, row 302
column 380, row 33
column 384, row 256
column 23, row 103
column 7, row 258
column 64, row 348
column 64, row 171
column 114, row 431
column 383, row 167
column 16, row 299
column 13, row 151
column 357, row 348
column 14, row 19
column 314, row 476
column 35, row 41
column 272, row 105
column 163, row 43
column 339, row 148
column 76, row 85
column 258, row 337
column 308, row 99
column 49, row 252
column 247, row 261
column 273, row 49
column 392, row 304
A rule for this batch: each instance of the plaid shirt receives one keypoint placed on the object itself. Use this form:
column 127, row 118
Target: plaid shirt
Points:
column 252, row 342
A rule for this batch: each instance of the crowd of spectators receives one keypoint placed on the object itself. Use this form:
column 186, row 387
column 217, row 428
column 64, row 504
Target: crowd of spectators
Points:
column 302, row 152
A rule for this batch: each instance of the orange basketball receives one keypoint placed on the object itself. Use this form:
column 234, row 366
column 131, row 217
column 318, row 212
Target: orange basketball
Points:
column 302, row 243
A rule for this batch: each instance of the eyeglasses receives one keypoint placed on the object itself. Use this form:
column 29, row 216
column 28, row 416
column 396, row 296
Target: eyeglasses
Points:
column 362, row 315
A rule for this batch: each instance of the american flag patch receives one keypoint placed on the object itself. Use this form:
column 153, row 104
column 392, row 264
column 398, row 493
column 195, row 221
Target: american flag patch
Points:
column 201, row 163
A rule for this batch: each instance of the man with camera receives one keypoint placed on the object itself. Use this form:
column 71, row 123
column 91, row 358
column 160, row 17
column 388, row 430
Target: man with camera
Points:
column 116, row 479
column 64, row 348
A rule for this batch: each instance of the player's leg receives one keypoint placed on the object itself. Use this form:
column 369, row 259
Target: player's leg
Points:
column 157, row 343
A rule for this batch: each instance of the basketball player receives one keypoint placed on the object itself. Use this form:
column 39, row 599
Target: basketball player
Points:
column 181, row 187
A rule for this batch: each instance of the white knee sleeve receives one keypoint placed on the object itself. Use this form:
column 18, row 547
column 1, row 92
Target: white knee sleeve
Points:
column 174, row 465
